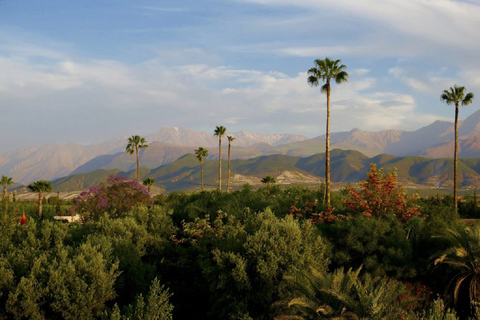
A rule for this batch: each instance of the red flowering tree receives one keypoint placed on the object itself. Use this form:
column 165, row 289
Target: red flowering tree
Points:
column 116, row 197
column 380, row 195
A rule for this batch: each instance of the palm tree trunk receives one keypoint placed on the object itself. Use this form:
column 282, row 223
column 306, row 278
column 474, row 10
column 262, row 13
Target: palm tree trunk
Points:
column 228, row 177
column 4, row 192
column 138, row 163
column 201, row 172
column 455, row 162
column 40, row 205
column 327, row 150
column 220, row 163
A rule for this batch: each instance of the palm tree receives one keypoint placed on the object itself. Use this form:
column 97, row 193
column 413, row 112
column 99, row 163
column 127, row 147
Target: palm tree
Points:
column 134, row 143
column 345, row 295
column 6, row 181
column 201, row 152
column 40, row 186
column 455, row 96
column 230, row 139
column 148, row 182
column 463, row 255
column 267, row 180
column 327, row 70
column 220, row 131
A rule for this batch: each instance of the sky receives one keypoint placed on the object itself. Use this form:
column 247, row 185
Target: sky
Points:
column 91, row 70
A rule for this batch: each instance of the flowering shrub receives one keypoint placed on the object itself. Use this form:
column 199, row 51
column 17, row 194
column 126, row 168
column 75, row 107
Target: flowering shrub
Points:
column 310, row 212
column 116, row 197
column 380, row 195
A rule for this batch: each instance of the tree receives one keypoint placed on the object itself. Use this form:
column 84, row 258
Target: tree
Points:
column 134, row 143
column 116, row 197
column 346, row 295
column 268, row 180
column 201, row 152
column 148, row 182
column 220, row 131
column 456, row 96
column 40, row 186
column 6, row 181
column 379, row 195
column 327, row 70
column 230, row 139
column 463, row 255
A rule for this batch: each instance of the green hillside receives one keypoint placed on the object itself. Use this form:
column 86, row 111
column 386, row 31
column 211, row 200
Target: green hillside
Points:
column 346, row 166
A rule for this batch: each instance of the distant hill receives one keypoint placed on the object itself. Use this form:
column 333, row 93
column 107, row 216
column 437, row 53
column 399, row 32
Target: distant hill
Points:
column 50, row 162
column 347, row 166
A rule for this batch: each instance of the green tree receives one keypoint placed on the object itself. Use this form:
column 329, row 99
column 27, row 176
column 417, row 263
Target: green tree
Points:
column 456, row 96
column 219, row 132
column 6, row 181
column 327, row 70
column 40, row 186
column 463, row 255
column 134, row 143
column 230, row 139
column 201, row 152
column 156, row 307
column 148, row 182
column 347, row 295
column 268, row 180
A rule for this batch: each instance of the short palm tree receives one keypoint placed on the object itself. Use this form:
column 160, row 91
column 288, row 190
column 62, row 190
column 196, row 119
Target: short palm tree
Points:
column 268, row 180
column 327, row 70
column 456, row 96
column 346, row 295
column 6, row 181
column 40, row 186
column 463, row 254
column 134, row 143
column 201, row 152
column 230, row 139
column 219, row 132
column 148, row 182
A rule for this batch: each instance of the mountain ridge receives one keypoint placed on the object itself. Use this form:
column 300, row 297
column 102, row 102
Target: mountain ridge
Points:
column 52, row 161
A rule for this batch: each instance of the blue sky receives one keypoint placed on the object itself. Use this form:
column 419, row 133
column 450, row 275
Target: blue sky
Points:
column 87, row 71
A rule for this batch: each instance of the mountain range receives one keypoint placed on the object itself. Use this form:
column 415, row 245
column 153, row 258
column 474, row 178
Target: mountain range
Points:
column 50, row 162
column 346, row 165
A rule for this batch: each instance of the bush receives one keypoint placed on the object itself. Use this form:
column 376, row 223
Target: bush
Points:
column 116, row 197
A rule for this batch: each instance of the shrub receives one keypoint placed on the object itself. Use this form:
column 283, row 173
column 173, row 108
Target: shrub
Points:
column 116, row 197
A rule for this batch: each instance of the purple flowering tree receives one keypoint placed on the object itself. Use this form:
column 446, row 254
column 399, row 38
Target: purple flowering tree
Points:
column 116, row 197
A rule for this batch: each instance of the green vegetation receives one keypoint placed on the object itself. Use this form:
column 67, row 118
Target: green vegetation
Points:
column 40, row 186
column 456, row 96
column 6, row 181
column 271, row 253
column 327, row 70
column 230, row 139
column 134, row 143
column 201, row 152
column 220, row 132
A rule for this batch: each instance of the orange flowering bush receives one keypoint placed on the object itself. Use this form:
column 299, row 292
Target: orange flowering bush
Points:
column 380, row 195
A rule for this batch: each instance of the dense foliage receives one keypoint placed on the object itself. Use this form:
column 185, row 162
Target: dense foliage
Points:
column 248, row 254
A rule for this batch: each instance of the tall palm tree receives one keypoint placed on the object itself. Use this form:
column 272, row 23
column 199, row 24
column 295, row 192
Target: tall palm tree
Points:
column 6, row 181
column 134, row 143
column 268, row 180
column 327, row 70
column 220, row 131
column 456, row 96
column 230, row 139
column 201, row 152
column 148, row 182
column 40, row 186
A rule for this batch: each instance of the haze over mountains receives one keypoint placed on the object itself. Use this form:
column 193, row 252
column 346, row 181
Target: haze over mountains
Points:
column 50, row 162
